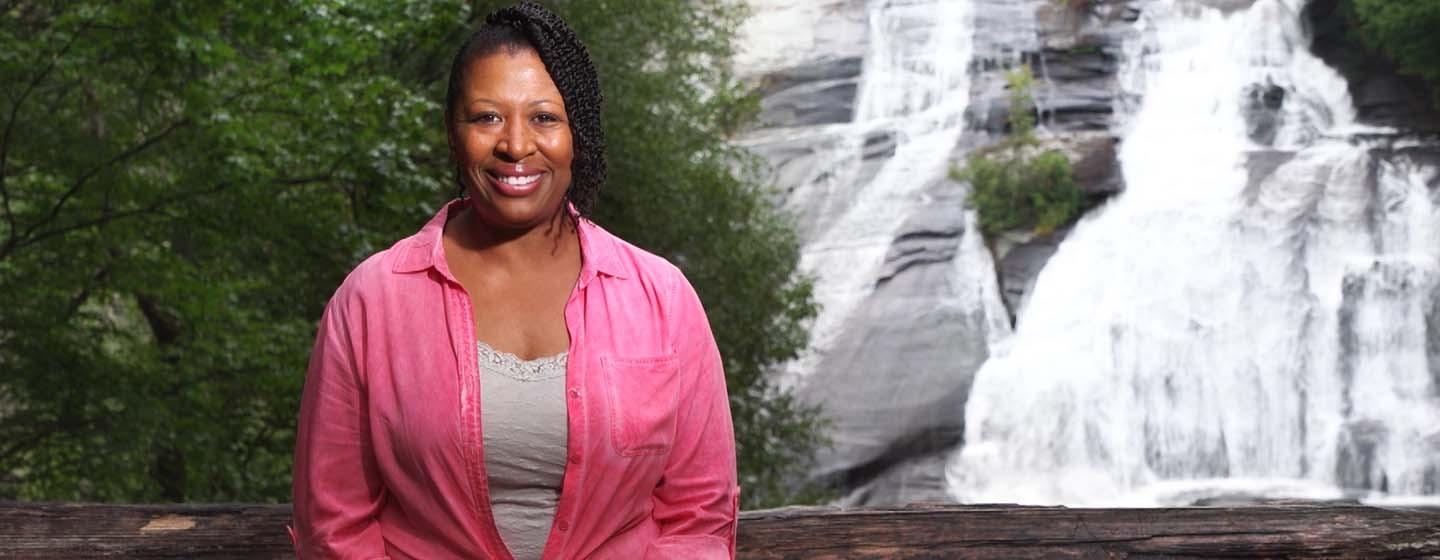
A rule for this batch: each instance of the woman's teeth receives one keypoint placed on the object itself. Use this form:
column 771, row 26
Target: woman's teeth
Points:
column 517, row 181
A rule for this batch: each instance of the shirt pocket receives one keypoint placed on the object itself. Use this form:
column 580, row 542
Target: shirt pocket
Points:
column 642, row 393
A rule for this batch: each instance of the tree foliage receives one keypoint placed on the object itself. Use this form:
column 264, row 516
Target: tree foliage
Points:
column 183, row 184
column 1015, row 185
column 1404, row 31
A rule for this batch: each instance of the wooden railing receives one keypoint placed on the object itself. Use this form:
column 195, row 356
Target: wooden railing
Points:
column 29, row 530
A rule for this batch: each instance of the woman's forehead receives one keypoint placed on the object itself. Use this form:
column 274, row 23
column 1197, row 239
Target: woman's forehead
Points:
column 508, row 74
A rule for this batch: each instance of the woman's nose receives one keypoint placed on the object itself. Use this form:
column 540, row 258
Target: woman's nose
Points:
column 515, row 141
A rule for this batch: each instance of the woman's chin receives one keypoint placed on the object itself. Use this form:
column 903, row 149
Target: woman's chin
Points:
column 514, row 214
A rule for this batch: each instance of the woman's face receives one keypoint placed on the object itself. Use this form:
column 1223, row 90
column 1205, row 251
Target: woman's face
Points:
column 511, row 139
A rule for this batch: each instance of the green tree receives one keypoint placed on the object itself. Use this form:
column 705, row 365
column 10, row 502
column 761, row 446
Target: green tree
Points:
column 1403, row 31
column 183, row 184
column 1015, row 185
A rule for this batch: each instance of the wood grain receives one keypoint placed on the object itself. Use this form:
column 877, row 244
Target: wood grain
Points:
column 221, row 531
column 44, row 531
column 1018, row 532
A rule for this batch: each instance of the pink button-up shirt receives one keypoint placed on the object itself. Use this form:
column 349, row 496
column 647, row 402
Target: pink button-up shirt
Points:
column 388, row 457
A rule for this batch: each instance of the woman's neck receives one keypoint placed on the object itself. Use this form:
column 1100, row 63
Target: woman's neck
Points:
column 520, row 249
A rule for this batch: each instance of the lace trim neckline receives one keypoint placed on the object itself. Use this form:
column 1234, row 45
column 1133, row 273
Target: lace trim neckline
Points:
column 510, row 365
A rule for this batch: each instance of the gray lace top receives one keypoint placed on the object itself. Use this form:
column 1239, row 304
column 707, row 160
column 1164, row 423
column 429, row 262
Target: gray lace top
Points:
column 523, row 416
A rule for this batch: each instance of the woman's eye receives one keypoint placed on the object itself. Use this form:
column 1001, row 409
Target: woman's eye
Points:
column 547, row 118
column 485, row 118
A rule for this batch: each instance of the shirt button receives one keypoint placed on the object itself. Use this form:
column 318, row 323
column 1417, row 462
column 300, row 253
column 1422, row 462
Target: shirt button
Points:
column 563, row 526
column 574, row 393
column 575, row 459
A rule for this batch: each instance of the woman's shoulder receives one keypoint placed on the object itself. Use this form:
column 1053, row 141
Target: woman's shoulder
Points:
column 380, row 273
column 619, row 257
column 659, row 279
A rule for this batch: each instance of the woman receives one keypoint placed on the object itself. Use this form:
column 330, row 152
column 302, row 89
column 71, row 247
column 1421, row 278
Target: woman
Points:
column 513, row 379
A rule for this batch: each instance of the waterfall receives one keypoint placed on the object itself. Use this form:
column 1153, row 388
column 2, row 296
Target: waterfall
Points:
column 1258, row 313
column 911, row 98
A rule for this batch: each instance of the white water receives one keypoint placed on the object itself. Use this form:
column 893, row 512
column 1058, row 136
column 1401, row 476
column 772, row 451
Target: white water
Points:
column 1204, row 335
column 915, row 87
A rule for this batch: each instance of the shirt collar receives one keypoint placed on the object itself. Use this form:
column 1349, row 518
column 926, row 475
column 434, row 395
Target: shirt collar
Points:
column 426, row 250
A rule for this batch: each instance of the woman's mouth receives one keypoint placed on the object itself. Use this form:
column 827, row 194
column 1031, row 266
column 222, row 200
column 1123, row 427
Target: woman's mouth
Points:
column 515, row 185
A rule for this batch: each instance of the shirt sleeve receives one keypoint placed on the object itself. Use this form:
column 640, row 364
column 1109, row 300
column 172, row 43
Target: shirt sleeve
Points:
column 697, row 500
column 337, row 488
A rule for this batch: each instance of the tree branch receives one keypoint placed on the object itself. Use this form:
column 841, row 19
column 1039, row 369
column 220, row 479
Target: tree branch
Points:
column 8, row 250
column 164, row 325
column 154, row 206
column 29, row 237
column 9, row 133
column 92, row 172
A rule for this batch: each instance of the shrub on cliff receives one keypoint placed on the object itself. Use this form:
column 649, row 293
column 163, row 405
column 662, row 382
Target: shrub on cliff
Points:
column 1014, row 184
column 1022, row 191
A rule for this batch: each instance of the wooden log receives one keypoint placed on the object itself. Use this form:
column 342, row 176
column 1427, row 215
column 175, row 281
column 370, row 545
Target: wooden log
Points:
column 218, row 532
column 29, row 530
column 1020, row 532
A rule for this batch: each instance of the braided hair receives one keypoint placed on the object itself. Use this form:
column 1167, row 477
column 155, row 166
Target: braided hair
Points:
column 530, row 25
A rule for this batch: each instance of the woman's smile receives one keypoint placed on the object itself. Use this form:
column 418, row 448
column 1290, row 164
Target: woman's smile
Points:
column 515, row 180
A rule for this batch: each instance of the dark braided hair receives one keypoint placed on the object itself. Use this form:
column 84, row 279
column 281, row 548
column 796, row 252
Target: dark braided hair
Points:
column 530, row 25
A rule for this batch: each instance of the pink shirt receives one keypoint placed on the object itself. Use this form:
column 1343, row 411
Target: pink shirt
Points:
column 388, row 456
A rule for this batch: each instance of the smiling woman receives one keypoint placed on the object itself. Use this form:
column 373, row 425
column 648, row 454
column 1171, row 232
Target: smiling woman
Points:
column 508, row 381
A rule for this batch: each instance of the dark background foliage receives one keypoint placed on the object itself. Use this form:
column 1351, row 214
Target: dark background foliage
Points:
column 1404, row 31
column 183, row 184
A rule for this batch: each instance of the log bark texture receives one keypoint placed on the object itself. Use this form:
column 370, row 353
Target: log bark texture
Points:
column 221, row 531
column 1020, row 532
column 949, row 531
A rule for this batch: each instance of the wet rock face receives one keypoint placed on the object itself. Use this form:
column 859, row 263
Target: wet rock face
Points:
column 1020, row 262
column 896, row 380
column 1074, row 54
column 1079, row 91
column 1263, row 115
column 929, row 238
column 1226, row 6
column 1096, row 168
column 819, row 93
column 913, row 479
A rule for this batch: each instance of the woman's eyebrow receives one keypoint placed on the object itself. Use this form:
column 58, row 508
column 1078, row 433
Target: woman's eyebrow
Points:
column 487, row 100
column 480, row 100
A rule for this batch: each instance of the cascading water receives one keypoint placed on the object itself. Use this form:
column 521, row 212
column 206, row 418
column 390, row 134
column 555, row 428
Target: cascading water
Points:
column 1258, row 313
column 913, row 92
column 863, row 113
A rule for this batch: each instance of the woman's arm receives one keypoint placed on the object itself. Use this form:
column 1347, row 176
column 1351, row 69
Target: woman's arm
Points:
column 697, row 500
column 337, row 489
